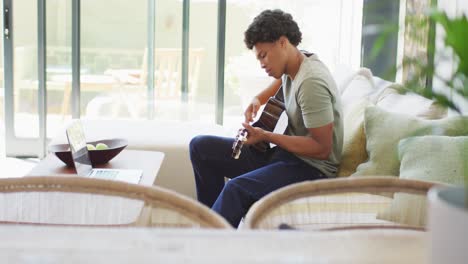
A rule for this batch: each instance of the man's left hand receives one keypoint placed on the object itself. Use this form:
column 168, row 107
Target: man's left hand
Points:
column 255, row 134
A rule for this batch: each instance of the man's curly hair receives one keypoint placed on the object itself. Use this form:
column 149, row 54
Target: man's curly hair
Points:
column 269, row 26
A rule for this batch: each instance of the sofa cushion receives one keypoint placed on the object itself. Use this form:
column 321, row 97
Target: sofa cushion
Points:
column 355, row 97
column 429, row 158
column 384, row 130
column 358, row 89
column 393, row 100
column 381, row 84
column 343, row 74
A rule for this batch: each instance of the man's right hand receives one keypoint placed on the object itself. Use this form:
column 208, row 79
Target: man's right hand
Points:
column 251, row 111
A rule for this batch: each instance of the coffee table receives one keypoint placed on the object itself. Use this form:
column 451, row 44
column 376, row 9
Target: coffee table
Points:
column 148, row 161
column 66, row 208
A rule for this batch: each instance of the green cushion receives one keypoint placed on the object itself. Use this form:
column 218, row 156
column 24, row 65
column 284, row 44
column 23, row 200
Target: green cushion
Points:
column 429, row 158
column 384, row 130
column 434, row 158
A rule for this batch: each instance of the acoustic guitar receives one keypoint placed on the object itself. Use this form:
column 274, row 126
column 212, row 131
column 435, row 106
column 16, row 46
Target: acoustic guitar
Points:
column 267, row 121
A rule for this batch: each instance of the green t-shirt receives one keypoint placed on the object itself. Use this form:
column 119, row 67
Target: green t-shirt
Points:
column 312, row 100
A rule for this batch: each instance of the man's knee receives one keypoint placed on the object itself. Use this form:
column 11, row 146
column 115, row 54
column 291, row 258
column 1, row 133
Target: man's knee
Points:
column 196, row 144
column 233, row 187
column 201, row 141
column 195, row 141
column 229, row 187
column 233, row 202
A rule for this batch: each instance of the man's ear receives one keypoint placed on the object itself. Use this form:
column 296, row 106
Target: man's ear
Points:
column 283, row 41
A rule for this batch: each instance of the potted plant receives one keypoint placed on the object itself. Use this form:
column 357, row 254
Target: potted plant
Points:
column 448, row 207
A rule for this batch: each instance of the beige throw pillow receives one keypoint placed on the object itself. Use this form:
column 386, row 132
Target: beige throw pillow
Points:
column 430, row 158
column 355, row 98
column 384, row 130
column 354, row 139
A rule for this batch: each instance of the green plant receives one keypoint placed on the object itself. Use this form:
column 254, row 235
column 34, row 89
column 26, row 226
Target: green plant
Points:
column 423, row 65
column 456, row 29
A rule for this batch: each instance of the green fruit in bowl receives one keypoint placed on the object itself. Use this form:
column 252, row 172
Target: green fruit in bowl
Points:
column 90, row 147
column 101, row 146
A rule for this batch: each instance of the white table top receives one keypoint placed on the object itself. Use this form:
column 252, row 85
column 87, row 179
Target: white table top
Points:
column 39, row 244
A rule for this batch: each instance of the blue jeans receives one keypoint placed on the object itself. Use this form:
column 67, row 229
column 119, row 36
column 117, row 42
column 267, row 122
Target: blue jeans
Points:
column 253, row 175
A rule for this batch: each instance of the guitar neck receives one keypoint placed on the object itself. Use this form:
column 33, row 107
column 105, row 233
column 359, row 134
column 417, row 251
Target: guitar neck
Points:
column 267, row 121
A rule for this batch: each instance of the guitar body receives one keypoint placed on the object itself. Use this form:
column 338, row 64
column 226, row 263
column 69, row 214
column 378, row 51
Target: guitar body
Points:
column 267, row 121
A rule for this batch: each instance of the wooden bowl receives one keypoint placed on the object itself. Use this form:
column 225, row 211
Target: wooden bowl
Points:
column 116, row 145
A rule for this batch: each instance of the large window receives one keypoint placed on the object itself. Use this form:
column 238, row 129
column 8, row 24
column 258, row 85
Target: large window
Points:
column 113, row 48
column 379, row 17
column 132, row 59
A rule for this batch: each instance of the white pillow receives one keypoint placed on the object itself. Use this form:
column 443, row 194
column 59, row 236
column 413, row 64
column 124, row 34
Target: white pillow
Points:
column 359, row 88
column 410, row 103
column 343, row 74
column 380, row 83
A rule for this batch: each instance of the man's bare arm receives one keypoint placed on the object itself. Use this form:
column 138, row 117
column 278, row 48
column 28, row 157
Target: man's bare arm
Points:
column 318, row 144
column 260, row 99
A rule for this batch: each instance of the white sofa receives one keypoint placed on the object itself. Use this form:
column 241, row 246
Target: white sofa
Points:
column 173, row 137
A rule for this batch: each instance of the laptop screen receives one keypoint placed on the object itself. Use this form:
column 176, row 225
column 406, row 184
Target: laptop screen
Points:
column 77, row 142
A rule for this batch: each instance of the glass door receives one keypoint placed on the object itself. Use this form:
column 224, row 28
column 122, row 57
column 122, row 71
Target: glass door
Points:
column 34, row 97
column 2, row 94
column 20, row 77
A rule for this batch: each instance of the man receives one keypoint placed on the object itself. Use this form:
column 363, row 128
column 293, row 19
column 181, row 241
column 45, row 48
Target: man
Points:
column 311, row 147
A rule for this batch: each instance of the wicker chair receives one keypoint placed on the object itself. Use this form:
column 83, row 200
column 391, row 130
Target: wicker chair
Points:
column 78, row 201
column 344, row 203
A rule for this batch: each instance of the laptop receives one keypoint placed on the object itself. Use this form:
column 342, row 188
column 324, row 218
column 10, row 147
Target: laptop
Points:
column 80, row 155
